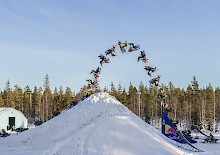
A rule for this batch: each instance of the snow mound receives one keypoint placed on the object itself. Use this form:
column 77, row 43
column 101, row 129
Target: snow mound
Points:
column 99, row 125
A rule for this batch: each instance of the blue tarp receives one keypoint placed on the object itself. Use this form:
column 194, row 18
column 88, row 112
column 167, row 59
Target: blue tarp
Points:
column 169, row 130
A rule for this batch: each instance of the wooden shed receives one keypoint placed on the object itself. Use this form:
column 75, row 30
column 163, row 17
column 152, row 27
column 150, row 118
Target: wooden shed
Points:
column 11, row 118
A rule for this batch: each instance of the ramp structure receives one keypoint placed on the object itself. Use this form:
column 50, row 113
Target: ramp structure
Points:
column 170, row 131
column 197, row 128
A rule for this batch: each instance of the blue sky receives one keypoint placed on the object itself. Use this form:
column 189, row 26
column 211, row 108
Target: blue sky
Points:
column 64, row 38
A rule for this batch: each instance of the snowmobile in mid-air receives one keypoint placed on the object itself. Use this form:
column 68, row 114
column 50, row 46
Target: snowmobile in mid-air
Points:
column 133, row 47
column 107, row 60
column 155, row 81
column 111, row 51
column 98, row 70
column 143, row 57
column 150, row 69
column 122, row 46
column 103, row 59
column 96, row 73
column 92, row 84
column 161, row 94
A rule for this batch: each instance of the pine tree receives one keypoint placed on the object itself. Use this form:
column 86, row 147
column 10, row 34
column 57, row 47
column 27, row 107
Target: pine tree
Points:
column 153, row 103
column 1, row 100
column 143, row 99
column 210, row 98
column 172, row 100
column 117, row 92
column 37, row 103
column 8, row 96
column 189, row 100
column 61, row 98
column 56, row 108
column 147, row 107
column 105, row 89
column 47, row 100
column 123, row 97
column 132, row 98
column 68, row 98
column 181, row 109
column 27, row 102
column 41, row 105
column 217, row 97
column 18, row 98
column 47, row 104
column 195, row 101
column 113, row 90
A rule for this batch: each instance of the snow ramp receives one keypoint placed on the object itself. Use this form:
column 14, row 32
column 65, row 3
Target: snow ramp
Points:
column 98, row 125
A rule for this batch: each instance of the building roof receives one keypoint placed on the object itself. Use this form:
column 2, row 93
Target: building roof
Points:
column 3, row 110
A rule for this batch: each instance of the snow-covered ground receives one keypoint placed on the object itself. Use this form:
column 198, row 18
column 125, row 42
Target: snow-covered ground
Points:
column 99, row 125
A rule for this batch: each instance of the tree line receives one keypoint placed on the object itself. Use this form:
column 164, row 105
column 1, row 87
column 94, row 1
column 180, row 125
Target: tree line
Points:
column 193, row 105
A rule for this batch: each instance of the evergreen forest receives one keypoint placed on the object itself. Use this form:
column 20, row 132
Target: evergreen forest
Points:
column 193, row 105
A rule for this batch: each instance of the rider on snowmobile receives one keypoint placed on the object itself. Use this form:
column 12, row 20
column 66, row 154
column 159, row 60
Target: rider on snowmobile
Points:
column 143, row 57
column 155, row 81
column 91, row 84
column 122, row 46
column 111, row 51
column 103, row 59
column 133, row 47
column 161, row 94
column 98, row 70
column 150, row 69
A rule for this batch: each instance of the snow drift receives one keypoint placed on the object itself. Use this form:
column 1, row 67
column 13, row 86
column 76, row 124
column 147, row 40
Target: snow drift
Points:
column 99, row 125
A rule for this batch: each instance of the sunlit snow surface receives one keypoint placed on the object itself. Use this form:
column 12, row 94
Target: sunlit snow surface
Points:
column 99, row 125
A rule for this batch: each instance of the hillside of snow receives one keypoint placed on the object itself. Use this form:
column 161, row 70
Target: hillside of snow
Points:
column 99, row 125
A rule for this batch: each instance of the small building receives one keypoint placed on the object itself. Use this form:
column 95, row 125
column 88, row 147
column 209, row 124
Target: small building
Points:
column 11, row 118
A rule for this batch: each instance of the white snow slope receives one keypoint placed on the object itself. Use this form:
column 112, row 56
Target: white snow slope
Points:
column 99, row 125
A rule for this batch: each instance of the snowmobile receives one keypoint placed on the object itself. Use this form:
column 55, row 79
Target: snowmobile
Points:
column 103, row 59
column 122, row 46
column 150, row 69
column 111, row 51
column 210, row 139
column 4, row 133
column 106, row 60
column 161, row 94
column 133, row 47
column 20, row 129
column 143, row 57
column 92, row 84
column 155, row 81
column 98, row 70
